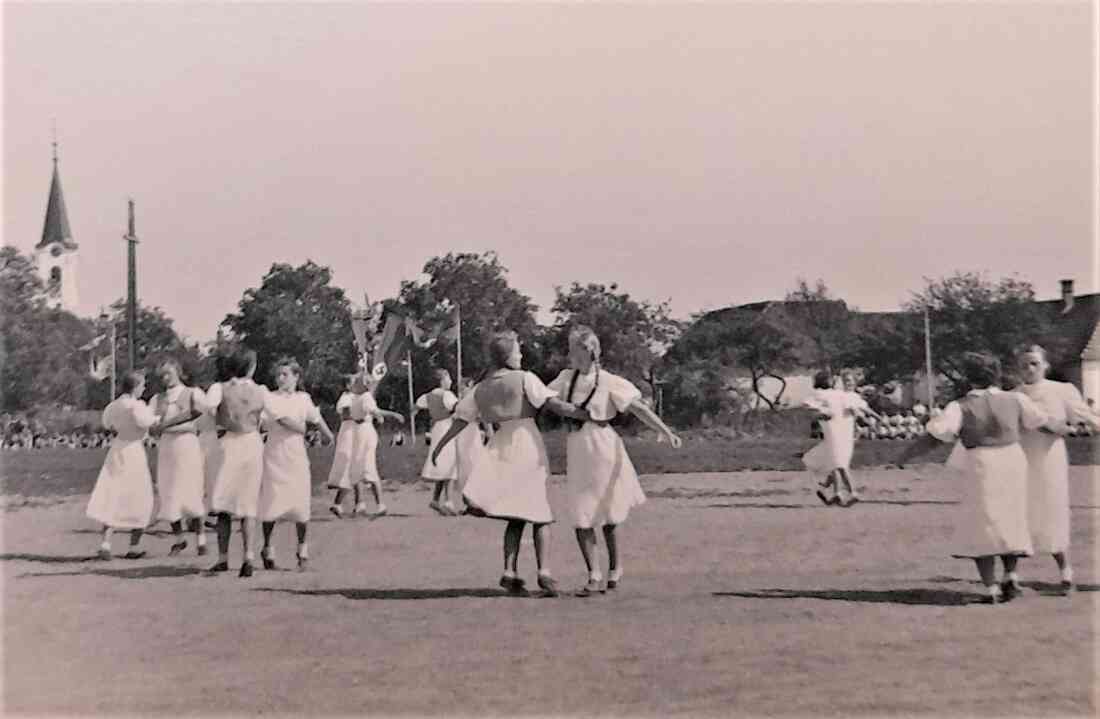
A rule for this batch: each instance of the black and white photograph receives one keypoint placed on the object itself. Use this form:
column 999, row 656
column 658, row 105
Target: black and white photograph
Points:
column 464, row 358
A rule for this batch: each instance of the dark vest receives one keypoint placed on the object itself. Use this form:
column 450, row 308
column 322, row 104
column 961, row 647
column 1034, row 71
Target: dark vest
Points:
column 436, row 409
column 990, row 420
column 501, row 398
column 240, row 408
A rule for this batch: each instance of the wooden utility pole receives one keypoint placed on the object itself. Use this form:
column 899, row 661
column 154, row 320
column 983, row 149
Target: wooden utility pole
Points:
column 131, row 290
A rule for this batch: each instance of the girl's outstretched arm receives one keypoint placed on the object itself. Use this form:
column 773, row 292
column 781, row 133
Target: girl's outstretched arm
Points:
column 641, row 410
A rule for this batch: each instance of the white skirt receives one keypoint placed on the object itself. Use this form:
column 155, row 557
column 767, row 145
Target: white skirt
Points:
column 1048, row 491
column 237, row 485
column 469, row 446
column 835, row 450
column 285, row 488
column 508, row 480
column 123, row 493
column 211, row 461
column 601, row 482
column 179, row 476
column 446, row 466
column 356, row 456
column 992, row 514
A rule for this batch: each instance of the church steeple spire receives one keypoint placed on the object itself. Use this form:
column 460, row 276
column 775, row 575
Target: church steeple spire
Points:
column 56, row 226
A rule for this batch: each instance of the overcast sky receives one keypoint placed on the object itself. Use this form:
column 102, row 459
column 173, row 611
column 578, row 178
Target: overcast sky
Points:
column 707, row 154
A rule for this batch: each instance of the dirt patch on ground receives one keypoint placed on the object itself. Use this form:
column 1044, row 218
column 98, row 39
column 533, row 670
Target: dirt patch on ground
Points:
column 742, row 595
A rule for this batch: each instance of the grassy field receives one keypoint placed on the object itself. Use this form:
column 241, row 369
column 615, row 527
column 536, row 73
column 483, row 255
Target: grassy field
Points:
column 29, row 474
column 742, row 596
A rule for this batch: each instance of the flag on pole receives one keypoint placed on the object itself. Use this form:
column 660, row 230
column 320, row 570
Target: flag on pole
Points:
column 100, row 370
column 96, row 342
column 395, row 340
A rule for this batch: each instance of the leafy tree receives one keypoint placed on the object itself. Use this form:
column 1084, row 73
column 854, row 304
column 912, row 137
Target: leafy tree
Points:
column 714, row 347
column 296, row 312
column 633, row 334
column 39, row 362
column 478, row 285
column 823, row 319
column 156, row 340
column 968, row 313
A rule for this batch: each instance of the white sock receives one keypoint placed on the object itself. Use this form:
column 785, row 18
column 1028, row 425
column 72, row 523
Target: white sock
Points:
column 200, row 538
column 509, row 574
column 223, row 557
column 545, row 573
column 594, row 576
column 1067, row 574
column 615, row 574
column 303, row 550
column 268, row 552
column 105, row 546
column 249, row 556
column 1012, row 577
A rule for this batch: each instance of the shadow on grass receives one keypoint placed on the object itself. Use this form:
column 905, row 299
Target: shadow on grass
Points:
column 675, row 493
column 908, row 502
column 934, row 597
column 1050, row 589
column 154, row 572
column 451, row 593
column 760, row 505
column 49, row 558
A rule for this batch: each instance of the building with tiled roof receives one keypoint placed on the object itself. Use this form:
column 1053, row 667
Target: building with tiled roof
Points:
column 1076, row 335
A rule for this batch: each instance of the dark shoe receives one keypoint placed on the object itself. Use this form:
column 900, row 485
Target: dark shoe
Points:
column 104, row 554
column 269, row 563
column 1011, row 590
column 202, row 550
column 612, row 584
column 177, row 548
column 303, row 563
column 548, row 586
column 337, row 511
column 133, row 554
column 514, row 585
column 1067, row 587
column 826, row 500
column 246, row 570
column 219, row 567
column 210, row 524
column 593, row 587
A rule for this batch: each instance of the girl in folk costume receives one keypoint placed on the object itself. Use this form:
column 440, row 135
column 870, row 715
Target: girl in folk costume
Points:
column 509, row 480
column 285, row 489
column 602, row 484
column 837, row 409
column 179, row 456
column 440, row 403
column 1048, row 464
column 237, row 484
column 123, row 494
column 993, row 512
column 360, row 465
column 207, row 425
column 350, row 438
column 469, row 446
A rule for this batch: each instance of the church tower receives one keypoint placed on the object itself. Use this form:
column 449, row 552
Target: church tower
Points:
column 56, row 253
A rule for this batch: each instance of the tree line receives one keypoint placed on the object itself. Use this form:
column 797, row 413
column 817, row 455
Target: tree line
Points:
column 690, row 366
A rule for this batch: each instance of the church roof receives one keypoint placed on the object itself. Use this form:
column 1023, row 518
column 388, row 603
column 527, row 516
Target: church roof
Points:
column 56, row 226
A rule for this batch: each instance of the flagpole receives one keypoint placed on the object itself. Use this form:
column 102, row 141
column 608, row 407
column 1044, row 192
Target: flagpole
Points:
column 412, row 401
column 928, row 359
column 113, row 360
